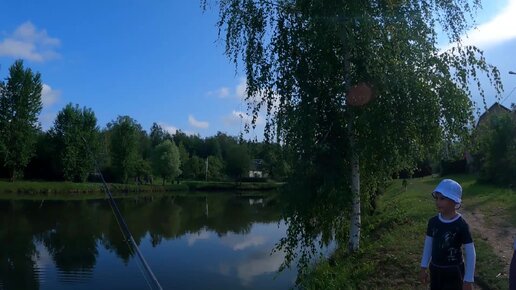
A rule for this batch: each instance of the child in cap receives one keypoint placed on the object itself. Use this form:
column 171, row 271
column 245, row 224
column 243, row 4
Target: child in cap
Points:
column 446, row 233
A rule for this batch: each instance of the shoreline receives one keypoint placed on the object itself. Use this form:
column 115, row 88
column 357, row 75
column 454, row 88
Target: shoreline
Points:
column 69, row 190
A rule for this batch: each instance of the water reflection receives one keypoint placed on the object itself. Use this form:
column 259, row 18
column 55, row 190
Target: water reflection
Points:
column 224, row 239
column 259, row 264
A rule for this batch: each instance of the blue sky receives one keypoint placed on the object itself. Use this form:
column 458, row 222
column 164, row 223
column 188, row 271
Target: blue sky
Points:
column 160, row 61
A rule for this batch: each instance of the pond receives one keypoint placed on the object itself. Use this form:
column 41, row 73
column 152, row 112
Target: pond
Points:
column 213, row 241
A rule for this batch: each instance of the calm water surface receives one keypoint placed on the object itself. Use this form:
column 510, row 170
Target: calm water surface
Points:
column 220, row 241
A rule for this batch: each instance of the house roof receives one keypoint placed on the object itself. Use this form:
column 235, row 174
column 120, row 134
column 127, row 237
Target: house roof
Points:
column 495, row 108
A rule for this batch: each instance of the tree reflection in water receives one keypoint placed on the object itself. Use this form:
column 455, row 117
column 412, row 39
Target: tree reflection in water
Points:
column 314, row 210
column 72, row 231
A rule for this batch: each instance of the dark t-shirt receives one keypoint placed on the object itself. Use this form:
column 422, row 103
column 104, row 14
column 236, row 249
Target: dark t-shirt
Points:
column 447, row 240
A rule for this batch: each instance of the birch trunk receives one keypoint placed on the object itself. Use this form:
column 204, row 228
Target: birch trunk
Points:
column 355, row 225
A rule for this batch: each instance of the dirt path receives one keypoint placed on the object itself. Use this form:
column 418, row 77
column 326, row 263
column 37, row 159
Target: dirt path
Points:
column 493, row 229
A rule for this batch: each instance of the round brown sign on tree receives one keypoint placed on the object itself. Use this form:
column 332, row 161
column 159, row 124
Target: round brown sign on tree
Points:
column 359, row 95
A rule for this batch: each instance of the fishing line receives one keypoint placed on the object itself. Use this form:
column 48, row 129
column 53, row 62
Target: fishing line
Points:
column 149, row 277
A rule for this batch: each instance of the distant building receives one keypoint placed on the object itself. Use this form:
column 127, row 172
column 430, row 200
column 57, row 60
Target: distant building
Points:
column 256, row 169
column 494, row 110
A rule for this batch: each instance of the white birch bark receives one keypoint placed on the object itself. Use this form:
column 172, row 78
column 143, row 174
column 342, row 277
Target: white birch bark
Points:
column 355, row 224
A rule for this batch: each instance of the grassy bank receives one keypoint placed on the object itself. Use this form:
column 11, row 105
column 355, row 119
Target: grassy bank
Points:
column 393, row 238
column 221, row 186
column 56, row 190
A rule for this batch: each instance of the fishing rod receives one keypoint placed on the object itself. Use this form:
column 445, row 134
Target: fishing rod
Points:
column 152, row 282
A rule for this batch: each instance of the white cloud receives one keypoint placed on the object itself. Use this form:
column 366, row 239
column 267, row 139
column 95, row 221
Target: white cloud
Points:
column 27, row 42
column 196, row 123
column 256, row 263
column 202, row 235
column 168, row 128
column 498, row 30
column 237, row 116
column 242, row 242
column 222, row 93
column 241, row 89
column 252, row 241
column 173, row 129
column 241, row 93
column 49, row 96
column 260, row 264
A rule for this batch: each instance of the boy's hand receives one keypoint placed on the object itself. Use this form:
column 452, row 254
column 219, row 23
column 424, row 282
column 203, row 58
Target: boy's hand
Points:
column 467, row 286
column 423, row 276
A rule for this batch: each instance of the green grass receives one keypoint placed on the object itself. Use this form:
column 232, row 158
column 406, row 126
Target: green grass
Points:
column 71, row 190
column 392, row 240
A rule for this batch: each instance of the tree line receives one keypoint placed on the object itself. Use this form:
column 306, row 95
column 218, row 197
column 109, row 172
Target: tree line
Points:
column 123, row 150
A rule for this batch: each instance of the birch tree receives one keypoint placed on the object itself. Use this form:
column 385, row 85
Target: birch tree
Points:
column 301, row 58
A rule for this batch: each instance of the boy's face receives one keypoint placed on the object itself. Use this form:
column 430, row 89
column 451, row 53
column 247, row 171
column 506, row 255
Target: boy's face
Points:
column 443, row 204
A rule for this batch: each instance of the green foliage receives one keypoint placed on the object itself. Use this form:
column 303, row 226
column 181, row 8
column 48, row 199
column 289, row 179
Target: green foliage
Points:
column 237, row 161
column 158, row 135
column 124, row 147
column 213, row 146
column 275, row 160
column 165, row 161
column 215, row 168
column 76, row 137
column 184, row 156
column 194, row 168
column 144, row 172
column 20, row 105
column 44, row 165
column 496, row 149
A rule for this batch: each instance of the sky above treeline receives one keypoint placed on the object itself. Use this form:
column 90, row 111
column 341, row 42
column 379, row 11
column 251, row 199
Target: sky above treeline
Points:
column 162, row 61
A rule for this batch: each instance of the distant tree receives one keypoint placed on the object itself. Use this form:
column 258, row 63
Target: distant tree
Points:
column 124, row 147
column 193, row 143
column 44, row 165
column 496, row 149
column 226, row 143
column 275, row 161
column 143, row 171
column 165, row 161
column 238, row 161
column 20, row 105
column 145, row 148
column 76, row 134
column 184, row 156
column 158, row 135
column 213, row 147
column 215, row 168
column 194, row 168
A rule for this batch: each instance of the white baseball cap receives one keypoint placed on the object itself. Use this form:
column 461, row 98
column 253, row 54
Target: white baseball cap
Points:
column 450, row 189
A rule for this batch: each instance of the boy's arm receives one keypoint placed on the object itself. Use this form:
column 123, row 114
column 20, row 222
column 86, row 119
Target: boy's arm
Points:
column 469, row 272
column 427, row 252
column 425, row 260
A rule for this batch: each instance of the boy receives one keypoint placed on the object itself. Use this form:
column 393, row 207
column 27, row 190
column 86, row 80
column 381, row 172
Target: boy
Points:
column 445, row 235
